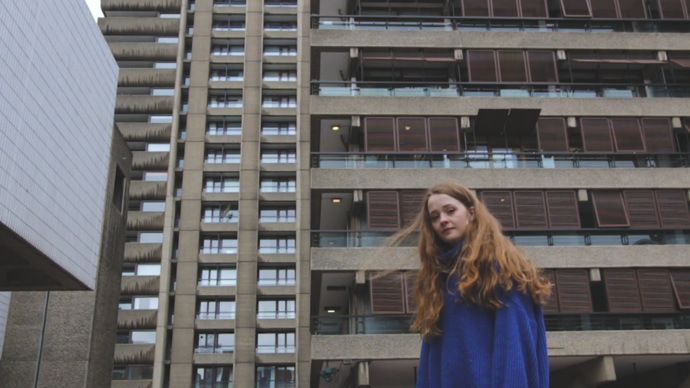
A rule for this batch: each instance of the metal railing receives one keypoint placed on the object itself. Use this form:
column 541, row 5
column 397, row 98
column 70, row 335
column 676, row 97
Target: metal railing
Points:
column 227, row 315
column 214, row 349
column 483, row 160
column 473, row 23
column 212, row 384
column 275, row 349
column 526, row 237
column 229, row 282
column 276, row 315
column 498, row 89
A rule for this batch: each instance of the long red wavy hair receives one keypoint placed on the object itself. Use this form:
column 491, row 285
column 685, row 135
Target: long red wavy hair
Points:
column 485, row 250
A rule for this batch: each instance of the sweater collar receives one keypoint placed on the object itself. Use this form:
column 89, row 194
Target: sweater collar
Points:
column 449, row 256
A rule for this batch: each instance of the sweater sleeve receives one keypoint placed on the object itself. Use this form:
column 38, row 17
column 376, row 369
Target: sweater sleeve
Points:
column 520, row 358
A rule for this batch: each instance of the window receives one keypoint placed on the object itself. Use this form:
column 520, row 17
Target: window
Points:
column 215, row 343
column 151, row 237
column 134, row 372
column 277, row 277
column 163, row 39
column 165, row 65
column 220, row 213
column 511, row 66
column 145, row 303
column 137, row 337
column 217, row 276
column 156, row 176
column 280, row 102
column 275, row 343
column 280, row 51
column 230, row 22
column 278, row 156
column 158, row 147
column 276, row 309
column 119, row 189
column 277, row 245
column 227, row 73
column 229, row 126
column 222, row 185
column 169, row 15
column 213, row 377
column 278, row 185
column 142, row 270
column 275, row 376
column 230, row 3
column 158, row 119
column 227, row 48
column 281, row 3
column 228, row 99
column 282, row 128
column 153, row 206
column 222, row 155
column 216, row 309
column 281, row 76
column 219, row 246
column 162, row 92
column 128, row 271
column 277, row 215
column 280, row 26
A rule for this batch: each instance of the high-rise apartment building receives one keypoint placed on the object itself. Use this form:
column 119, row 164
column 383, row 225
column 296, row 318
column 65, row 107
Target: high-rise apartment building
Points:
column 277, row 143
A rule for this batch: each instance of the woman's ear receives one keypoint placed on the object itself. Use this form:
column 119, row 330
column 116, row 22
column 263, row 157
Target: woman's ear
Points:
column 472, row 212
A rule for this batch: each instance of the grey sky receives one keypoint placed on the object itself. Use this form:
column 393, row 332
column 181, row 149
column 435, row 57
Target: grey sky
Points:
column 95, row 7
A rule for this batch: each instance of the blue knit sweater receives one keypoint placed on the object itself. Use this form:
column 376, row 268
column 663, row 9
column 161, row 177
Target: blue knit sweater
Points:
column 482, row 349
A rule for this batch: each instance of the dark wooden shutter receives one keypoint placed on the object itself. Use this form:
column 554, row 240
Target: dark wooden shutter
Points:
column 680, row 279
column 410, row 205
column 411, row 134
column 410, row 300
column 530, row 210
column 671, row 9
column 444, row 135
column 622, row 291
column 475, row 7
column 382, row 209
column 627, row 135
column 673, row 208
column 500, row 205
column 658, row 135
column 576, row 8
column 604, row 9
column 562, row 209
column 505, row 8
column 512, row 66
column 534, row 9
column 387, row 294
column 632, row 9
column 573, row 291
column 552, row 135
column 641, row 207
column 380, row 134
column 542, row 66
column 610, row 209
column 596, row 135
column 655, row 290
column 481, row 65
column 551, row 307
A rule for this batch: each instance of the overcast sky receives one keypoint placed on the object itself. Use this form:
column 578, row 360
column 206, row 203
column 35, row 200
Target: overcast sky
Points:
column 95, row 7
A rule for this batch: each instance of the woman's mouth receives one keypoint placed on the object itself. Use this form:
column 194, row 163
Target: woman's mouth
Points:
column 447, row 230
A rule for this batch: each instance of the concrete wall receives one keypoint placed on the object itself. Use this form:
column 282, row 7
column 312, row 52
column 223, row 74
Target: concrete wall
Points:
column 4, row 311
column 53, row 161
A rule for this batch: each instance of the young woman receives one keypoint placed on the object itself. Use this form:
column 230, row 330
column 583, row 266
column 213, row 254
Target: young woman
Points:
column 478, row 299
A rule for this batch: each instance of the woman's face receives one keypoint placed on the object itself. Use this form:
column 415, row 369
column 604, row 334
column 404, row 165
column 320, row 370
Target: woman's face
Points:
column 449, row 217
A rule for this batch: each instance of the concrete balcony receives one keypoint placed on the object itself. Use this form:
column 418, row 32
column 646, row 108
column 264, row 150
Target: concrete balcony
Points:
column 130, row 354
column 145, row 220
column 357, row 259
column 144, row 104
column 145, row 132
column 214, row 324
column 143, row 253
column 220, row 34
column 140, row 285
column 275, row 358
column 144, row 51
column 216, row 290
column 143, row 160
column 139, row 26
column 141, row 5
column 137, row 319
column 139, row 190
column 213, row 358
column 580, row 178
column 220, row 197
column 131, row 384
column 146, row 77
column 219, row 227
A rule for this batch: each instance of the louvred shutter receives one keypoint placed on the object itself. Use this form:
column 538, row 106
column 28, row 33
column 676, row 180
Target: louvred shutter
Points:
column 383, row 210
column 641, row 208
column 672, row 9
column 604, row 9
column 673, row 208
column 410, row 205
column 610, row 209
column 681, row 287
column 482, row 65
column 387, row 294
column 627, row 134
column 655, row 290
column 411, row 134
column 658, row 135
column 530, row 210
column 632, row 9
column 410, row 301
column 562, row 209
column 534, row 9
column 444, row 135
column 475, row 7
column 542, row 66
column 576, row 8
column 552, row 305
column 380, row 134
column 552, row 135
column 596, row 135
column 622, row 291
column 500, row 205
column 505, row 8
column 573, row 291
column 512, row 66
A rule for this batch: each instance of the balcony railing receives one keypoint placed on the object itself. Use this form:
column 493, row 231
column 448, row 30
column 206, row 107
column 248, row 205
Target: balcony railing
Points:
column 498, row 160
column 275, row 349
column 467, row 23
column 531, row 237
column 214, row 349
column 212, row 384
column 276, row 315
column 497, row 89
column 228, row 315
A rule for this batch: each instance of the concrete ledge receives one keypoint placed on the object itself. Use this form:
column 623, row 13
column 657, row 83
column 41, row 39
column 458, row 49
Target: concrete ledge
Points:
column 221, row 259
column 469, row 106
column 278, row 258
column 355, row 259
column 221, row 167
column 277, row 197
column 212, row 324
column 280, row 10
column 220, row 196
column 499, row 39
column 279, row 139
column 229, row 10
column 216, row 290
column 279, row 85
column 280, row 59
column 276, row 323
column 566, row 178
column 275, row 290
column 219, row 227
column 215, row 34
column 227, row 58
column 275, row 358
column 224, row 111
column 280, row 34
column 213, row 358
column 277, row 226
column 279, row 111
column 224, row 139
column 131, row 384
column 278, row 167
column 225, row 84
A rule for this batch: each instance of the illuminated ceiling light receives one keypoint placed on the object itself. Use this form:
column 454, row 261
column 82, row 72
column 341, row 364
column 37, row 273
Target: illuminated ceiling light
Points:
column 335, row 128
column 335, row 200
column 503, row 199
column 407, row 127
column 331, row 311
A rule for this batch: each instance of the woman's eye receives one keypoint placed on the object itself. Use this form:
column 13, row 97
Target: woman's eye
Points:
column 451, row 211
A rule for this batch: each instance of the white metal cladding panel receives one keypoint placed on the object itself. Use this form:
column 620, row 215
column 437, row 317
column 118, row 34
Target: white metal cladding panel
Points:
column 58, row 81
column 4, row 310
